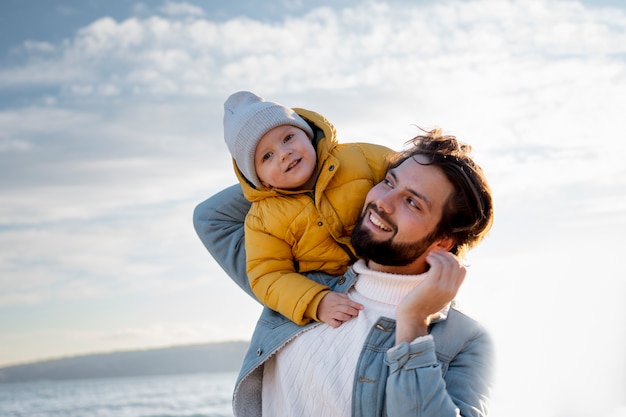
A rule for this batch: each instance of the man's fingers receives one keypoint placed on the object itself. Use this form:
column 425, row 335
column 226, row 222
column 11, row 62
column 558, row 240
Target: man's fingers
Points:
column 444, row 265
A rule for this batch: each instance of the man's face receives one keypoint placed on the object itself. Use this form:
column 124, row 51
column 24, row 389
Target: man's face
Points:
column 400, row 216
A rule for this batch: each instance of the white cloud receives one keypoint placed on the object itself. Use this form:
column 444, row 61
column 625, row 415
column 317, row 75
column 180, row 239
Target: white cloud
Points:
column 181, row 9
column 118, row 254
column 39, row 47
column 327, row 49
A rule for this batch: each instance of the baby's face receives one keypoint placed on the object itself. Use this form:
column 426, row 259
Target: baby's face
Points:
column 285, row 158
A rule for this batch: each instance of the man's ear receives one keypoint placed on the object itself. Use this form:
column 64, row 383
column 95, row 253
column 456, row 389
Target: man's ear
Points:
column 445, row 244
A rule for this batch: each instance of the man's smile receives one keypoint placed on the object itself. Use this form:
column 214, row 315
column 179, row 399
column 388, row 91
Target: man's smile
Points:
column 376, row 221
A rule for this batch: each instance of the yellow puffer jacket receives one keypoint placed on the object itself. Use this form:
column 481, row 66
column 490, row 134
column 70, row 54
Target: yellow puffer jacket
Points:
column 287, row 232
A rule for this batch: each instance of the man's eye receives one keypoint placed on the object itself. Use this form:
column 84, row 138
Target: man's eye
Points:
column 413, row 203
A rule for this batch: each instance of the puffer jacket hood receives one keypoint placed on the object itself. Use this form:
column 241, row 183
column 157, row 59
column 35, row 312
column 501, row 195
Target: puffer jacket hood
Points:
column 324, row 140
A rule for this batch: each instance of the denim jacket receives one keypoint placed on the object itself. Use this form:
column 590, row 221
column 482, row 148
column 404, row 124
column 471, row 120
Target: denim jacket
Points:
column 448, row 374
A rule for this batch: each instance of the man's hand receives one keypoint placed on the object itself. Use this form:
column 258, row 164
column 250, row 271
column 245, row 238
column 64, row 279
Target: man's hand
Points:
column 431, row 295
column 336, row 307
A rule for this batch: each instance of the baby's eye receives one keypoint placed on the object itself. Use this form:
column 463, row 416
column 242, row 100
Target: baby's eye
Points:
column 266, row 156
column 288, row 138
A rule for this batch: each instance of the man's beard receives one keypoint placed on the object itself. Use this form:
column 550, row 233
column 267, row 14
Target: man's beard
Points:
column 386, row 252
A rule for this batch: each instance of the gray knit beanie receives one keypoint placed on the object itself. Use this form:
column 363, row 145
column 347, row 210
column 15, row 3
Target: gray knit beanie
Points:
column 247, row 117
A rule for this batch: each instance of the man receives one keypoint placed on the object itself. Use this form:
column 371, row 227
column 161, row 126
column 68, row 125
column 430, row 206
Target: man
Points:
column 409, row 352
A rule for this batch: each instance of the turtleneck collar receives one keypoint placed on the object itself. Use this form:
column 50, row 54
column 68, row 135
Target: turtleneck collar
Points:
column 387, row 288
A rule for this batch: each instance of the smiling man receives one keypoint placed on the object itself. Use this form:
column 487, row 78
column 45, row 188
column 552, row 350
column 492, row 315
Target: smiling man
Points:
column 409, row 351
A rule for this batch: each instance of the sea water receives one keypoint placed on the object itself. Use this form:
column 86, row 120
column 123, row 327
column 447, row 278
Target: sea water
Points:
column 198, row 395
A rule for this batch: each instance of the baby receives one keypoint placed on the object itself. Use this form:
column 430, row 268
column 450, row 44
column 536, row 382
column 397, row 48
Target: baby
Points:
column 307, row 191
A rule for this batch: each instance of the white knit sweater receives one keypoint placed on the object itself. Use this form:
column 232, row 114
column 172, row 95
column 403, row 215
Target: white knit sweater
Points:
column 314, row 373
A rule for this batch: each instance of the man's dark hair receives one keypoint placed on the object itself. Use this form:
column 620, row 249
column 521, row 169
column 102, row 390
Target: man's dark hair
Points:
column 468, row 214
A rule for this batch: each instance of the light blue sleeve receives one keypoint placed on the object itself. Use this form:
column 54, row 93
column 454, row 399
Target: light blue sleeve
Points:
column 219, row 223
column 416, row 385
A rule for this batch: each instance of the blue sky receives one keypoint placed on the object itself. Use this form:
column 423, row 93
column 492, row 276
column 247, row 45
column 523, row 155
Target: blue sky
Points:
column 110, row 134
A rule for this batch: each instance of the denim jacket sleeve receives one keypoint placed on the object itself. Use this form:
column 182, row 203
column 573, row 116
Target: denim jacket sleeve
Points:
column 427, row 380
column 219, row 223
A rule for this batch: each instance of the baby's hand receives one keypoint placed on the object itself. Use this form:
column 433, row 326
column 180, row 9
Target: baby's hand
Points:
column 336, row 307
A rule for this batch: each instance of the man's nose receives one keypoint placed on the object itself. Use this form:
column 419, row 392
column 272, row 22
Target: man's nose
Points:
column 385, row 202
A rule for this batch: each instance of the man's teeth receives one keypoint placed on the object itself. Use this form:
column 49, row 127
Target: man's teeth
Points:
column 379, row 224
